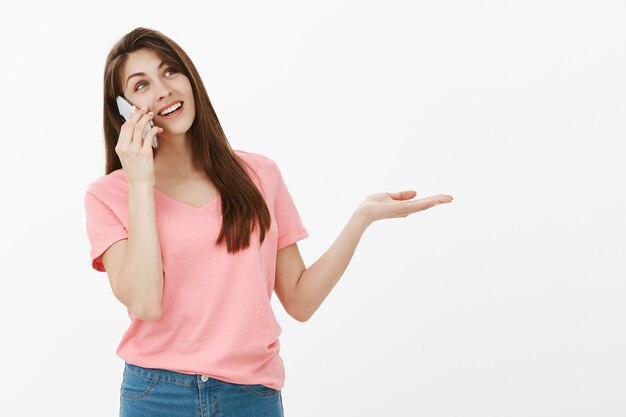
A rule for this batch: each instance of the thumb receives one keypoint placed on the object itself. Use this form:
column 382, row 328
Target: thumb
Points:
column 403, row 195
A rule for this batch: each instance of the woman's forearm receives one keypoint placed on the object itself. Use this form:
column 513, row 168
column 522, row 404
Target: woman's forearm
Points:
column 140, row 285
column 318, row 280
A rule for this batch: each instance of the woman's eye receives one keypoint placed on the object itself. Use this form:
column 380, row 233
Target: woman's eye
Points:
column 172, row 70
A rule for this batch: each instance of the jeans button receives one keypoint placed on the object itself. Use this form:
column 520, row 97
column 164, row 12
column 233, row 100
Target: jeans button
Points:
column 204, row 378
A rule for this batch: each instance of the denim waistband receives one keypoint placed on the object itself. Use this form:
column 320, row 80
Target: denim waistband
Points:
column 172, row 377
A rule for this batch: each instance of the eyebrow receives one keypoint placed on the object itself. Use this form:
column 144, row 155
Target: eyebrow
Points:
column 142, row 73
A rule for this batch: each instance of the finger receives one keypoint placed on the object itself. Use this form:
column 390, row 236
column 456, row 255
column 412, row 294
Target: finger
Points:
column 403, row 195
column 128, row 126
column 126, row 135
column 414, row 206
column 440, row 199
column 139, row 127
column 147, row 141
column 424, row 203
column 135, row 118
column 138, row 114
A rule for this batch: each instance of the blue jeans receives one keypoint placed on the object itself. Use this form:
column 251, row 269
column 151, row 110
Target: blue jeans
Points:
column 162, row 393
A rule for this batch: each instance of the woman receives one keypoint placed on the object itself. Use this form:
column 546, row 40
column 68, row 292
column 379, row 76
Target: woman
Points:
column 194, row 237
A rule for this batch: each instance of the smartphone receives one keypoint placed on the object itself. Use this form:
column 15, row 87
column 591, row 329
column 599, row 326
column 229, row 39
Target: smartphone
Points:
column 125, row 106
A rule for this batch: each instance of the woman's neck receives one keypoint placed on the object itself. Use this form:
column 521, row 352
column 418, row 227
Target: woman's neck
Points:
column 174, row 157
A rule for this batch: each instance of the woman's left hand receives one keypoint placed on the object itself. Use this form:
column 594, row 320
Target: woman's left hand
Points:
column 390, row 205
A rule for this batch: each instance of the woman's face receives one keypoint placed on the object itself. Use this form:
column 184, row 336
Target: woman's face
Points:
column 150, row 82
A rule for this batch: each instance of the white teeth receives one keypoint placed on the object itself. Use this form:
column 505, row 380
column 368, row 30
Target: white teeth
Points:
column 170, row 109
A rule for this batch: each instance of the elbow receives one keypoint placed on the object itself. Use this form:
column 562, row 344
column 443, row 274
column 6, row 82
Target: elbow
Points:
column 153, row 316
column 148, row 315
column 141, row 310
column 299, row 316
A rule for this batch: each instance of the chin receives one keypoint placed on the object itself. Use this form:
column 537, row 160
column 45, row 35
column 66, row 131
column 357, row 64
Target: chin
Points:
column 178, row 128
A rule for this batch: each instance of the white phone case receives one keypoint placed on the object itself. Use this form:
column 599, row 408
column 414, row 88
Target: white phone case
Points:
column 125, row 107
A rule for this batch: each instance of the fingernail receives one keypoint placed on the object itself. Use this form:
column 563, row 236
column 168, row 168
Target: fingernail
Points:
column 151, row 113
column 144, row 108
column 132, row 111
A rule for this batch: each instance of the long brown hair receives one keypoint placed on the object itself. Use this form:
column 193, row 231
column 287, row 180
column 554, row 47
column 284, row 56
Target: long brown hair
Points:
column 242, row 202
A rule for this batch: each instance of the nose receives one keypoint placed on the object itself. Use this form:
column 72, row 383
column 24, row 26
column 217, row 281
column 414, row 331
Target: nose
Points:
column 164, row 92
column 161, row 98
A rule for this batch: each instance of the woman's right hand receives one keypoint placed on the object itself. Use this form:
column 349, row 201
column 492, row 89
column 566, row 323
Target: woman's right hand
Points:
column 135, row 152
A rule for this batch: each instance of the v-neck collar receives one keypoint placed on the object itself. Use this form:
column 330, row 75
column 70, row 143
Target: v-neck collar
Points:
column 173, row 200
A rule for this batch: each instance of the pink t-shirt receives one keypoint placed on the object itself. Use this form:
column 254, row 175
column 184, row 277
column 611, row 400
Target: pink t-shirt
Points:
column 216, row 317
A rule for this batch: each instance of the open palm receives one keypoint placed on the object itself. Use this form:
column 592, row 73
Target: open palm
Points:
column 389, row 205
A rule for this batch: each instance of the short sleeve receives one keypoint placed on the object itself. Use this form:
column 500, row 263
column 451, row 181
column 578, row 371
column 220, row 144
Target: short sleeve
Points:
column 290, row 228
column 104, row 228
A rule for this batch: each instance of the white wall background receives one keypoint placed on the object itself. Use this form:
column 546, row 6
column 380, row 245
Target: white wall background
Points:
column 508, row 302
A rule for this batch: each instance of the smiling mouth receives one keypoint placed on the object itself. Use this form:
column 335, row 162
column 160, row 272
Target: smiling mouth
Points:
column 175, row 112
